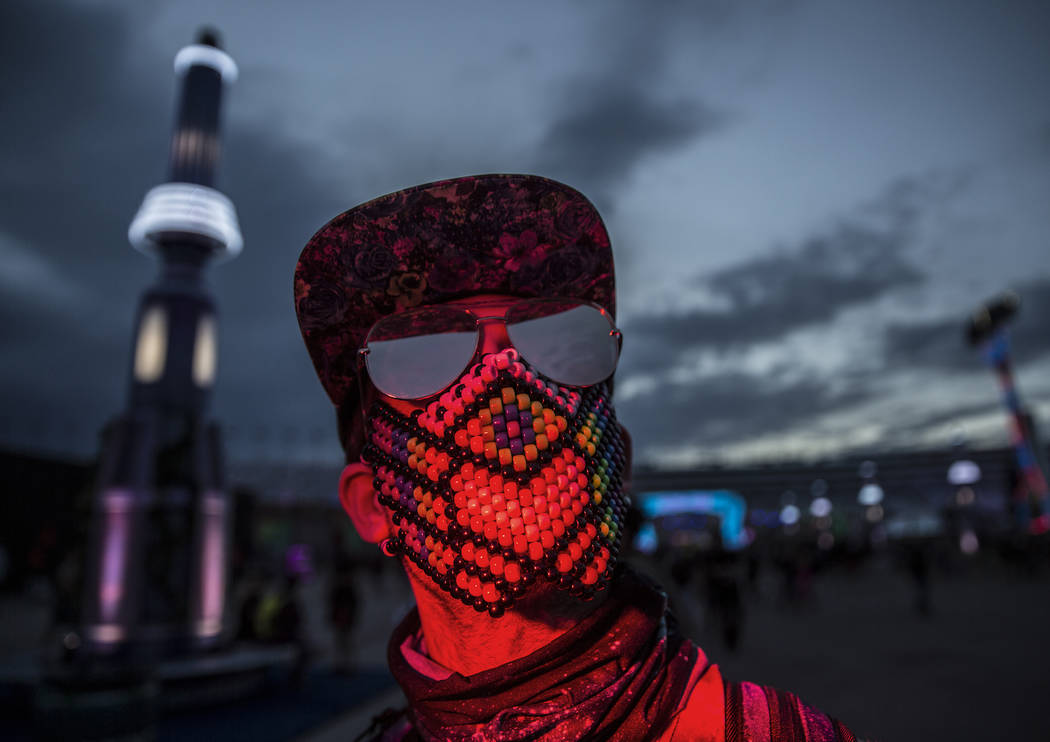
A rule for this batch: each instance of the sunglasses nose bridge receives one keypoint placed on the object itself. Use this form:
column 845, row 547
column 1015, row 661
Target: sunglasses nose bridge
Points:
column 492, row 335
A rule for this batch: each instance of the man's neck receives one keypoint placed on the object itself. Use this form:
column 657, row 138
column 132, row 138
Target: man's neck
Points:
column 468, row 641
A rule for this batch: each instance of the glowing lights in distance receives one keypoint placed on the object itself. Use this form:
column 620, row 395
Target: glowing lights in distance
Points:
column 870, row 494
column 968, row 543
column 790, row 515
column 874, row 514
column 964, row 472
column 820, row 507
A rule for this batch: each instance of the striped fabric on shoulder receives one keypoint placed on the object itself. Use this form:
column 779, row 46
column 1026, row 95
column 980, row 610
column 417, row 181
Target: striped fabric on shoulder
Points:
column 757, row 713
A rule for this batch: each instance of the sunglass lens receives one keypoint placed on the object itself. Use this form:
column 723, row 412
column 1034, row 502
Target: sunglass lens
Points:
column 570, row 342
column 415, row 354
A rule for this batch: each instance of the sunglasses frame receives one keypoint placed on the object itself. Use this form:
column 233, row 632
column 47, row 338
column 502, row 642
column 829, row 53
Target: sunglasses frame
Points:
column 363, row 351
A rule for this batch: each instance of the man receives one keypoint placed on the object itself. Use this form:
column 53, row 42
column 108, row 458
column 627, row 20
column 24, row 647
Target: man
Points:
column 464, row 331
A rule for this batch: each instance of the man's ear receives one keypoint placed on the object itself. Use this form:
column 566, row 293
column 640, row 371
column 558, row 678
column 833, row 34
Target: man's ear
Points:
column 361, row 503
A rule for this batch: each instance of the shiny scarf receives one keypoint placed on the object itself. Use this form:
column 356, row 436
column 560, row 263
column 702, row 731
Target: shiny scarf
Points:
column 617, row 675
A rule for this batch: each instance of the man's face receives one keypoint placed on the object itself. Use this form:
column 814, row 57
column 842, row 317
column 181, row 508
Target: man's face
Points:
column 506, row 478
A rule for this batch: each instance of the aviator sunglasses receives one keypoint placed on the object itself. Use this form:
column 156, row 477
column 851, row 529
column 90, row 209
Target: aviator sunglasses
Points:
column 421, row 352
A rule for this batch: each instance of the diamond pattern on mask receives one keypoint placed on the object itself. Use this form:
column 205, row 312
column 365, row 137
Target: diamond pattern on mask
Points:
column 505, row 479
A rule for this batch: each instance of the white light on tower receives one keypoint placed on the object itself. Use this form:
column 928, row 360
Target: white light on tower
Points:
column 204, row 352
column 151, row 348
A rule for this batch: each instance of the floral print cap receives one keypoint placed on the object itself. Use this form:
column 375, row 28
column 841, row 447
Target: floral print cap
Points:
column 522, row 235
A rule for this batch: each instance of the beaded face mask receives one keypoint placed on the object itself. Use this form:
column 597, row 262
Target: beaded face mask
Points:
column 506, row 479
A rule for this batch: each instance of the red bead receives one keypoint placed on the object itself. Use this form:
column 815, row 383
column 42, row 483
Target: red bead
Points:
column 535, row 551
column 564, row 563
column 521, row 545
column 496, row 565
column 511, row 571
column 491, row 531
column 477, row 525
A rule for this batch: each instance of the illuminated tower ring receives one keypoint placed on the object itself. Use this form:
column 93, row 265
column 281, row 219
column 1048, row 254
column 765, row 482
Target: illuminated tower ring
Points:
column 191, row 210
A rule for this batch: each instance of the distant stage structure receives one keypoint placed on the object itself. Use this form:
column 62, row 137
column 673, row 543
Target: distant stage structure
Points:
column 987, row 330
column 156, row 564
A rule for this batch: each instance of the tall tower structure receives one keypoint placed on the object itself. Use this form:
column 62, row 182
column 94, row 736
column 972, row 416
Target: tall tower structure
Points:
column 987, row 330
column 155, row 573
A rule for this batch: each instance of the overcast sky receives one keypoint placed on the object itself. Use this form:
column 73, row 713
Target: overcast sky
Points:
column 806, row 199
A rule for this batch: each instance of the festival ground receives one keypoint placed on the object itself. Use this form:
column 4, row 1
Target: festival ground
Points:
column 974, row 668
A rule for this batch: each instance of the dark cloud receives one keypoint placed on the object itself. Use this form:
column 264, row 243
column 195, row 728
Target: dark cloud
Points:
column 612, row 127
column 861, row 259
column 941, row 344
column 612, row 114
column 727, row 409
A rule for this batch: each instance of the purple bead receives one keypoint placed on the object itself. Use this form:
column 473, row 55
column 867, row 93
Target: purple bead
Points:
column 499, row 423
column 501, row 440
column 516, row 446
column 525, row 419
column 528, row 435
column 511, row 412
